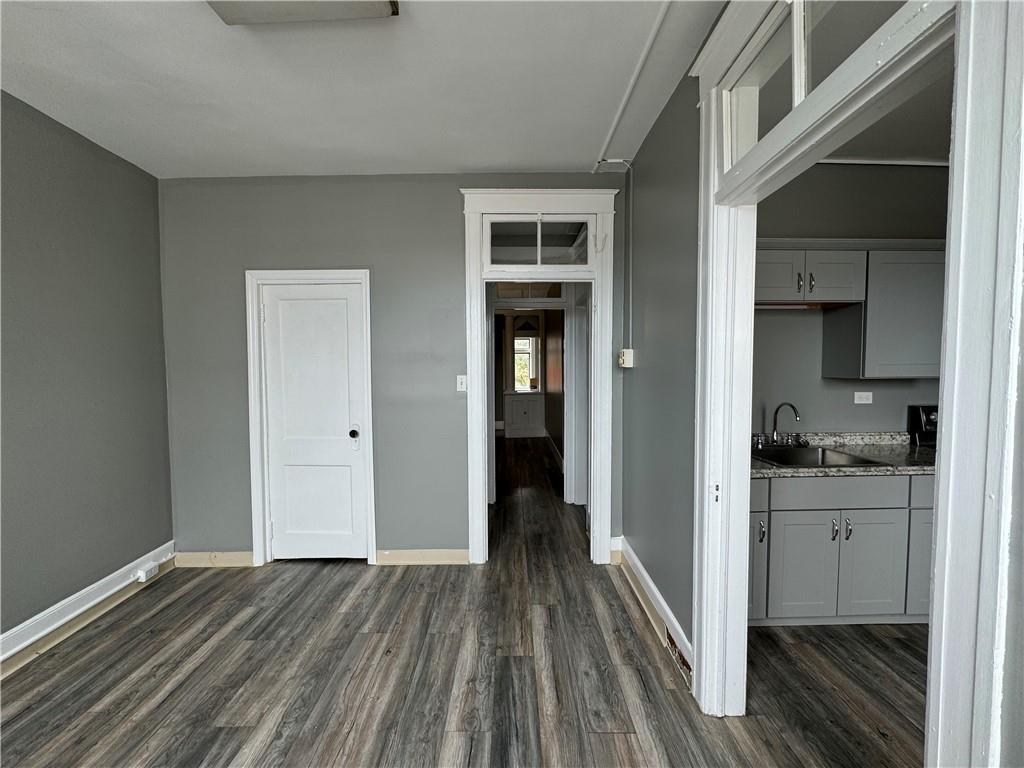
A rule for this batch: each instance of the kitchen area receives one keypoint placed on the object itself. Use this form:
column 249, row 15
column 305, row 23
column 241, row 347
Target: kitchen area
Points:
column 847, row 344
column 848, row 316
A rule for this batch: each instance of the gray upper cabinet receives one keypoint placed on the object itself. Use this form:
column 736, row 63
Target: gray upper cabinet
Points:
column 779, row 276
column 757, row 579
column 873, row 562
column 796, row 276
column 897, row 332
column 803, row 577
column 835, row 275
column 919, row 565
column 903, row 322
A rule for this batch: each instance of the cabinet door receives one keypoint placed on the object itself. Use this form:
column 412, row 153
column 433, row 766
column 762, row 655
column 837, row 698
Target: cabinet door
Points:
column 903, row 314
column 804, row 571
column 919, row 563
column 757, row 579
column 873, row 561
column 779, row 276
column 836, row 275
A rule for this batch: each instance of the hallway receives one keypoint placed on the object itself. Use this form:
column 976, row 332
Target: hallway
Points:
column 539, row 657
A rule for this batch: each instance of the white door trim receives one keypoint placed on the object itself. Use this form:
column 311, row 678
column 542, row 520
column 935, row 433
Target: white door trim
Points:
column 258, row 463
column 595, row 203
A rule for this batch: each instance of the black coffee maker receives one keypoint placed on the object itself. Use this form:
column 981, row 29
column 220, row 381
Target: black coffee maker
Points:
column 923, row 424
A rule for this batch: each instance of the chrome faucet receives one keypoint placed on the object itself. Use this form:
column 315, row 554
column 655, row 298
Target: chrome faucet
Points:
column 775, row 420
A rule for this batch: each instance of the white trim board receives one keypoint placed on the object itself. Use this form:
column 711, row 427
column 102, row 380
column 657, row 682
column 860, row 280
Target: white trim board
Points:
column 45, row 622
column 631, row 559
column 254, row 281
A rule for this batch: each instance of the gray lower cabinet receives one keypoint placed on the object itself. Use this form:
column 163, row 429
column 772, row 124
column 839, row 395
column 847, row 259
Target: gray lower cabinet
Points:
column 804, row 573
column 757, row 579
column 919, row 565
column 872, row 562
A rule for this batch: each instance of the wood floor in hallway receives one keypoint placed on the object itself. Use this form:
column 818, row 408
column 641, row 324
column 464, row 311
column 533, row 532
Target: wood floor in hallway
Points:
column 537, row 658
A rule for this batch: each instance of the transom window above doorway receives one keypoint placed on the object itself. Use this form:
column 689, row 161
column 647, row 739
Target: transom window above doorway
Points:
column 532, row 241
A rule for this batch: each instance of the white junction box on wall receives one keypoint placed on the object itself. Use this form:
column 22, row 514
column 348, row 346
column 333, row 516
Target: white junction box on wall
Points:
column 625, row 358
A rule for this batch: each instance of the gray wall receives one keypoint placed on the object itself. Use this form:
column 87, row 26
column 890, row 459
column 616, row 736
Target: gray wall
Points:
column 839, row 201
column 858, row 201
column 85, row 477
column 658, row 395
column 408, row 230
column 787, row 366
column 554, row 379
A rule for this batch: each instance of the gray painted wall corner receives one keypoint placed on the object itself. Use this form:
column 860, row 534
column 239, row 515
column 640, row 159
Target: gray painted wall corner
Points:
column 85, row 460
column 659, row 393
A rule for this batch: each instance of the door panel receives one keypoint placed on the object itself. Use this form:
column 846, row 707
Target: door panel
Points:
column 919, row 565
column 804, row 548
column 903, row 327
column 836, row 275
column 315, row 363
column 779, row 276
column 757, row 580
column 873, row 562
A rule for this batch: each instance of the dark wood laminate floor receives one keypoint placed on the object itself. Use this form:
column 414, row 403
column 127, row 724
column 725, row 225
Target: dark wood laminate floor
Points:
column 537, row 658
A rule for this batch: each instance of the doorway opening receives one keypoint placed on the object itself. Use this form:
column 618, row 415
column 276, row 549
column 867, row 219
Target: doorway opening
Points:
column 847, row 322
column 539, row 398
column 537, row 238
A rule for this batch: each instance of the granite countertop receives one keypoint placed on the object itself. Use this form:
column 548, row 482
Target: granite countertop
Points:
column 893, row 449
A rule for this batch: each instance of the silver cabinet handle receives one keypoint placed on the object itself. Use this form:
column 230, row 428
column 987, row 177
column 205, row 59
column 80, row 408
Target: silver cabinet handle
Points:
column 835, row 529
column 761, row 532
column 810, row 282
column 799, row 282
column 849, row 529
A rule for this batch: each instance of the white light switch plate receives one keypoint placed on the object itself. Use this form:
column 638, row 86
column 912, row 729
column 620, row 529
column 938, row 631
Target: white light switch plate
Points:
column 460, row 383
column 863, row 398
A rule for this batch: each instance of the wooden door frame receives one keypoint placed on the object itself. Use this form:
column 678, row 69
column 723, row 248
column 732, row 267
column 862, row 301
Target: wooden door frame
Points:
column 255, row 280
column 480, row 205
column 980, row 434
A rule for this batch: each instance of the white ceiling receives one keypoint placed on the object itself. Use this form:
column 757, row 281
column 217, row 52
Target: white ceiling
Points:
column 443, row 87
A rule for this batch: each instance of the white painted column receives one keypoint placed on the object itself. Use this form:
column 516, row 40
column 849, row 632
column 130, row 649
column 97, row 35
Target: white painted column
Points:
column 974, row 709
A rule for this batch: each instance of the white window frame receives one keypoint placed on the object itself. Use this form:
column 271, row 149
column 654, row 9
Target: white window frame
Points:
column 981, row 344
column 515, row 272
column 597, row 207
column 534, row 366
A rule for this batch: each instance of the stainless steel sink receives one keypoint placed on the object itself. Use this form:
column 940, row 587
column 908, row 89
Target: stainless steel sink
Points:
column 794, row 456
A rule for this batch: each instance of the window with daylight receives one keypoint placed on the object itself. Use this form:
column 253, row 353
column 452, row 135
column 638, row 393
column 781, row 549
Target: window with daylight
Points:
column 526, row 368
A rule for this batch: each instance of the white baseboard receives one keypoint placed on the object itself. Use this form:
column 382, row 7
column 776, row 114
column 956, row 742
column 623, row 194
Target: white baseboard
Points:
column 657, row 601
column 616, row 549
column 422, row 557
column 213, row 560
column 55, row 616
column 554, row 449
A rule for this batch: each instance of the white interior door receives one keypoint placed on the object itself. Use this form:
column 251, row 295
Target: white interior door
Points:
column 317, row 405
